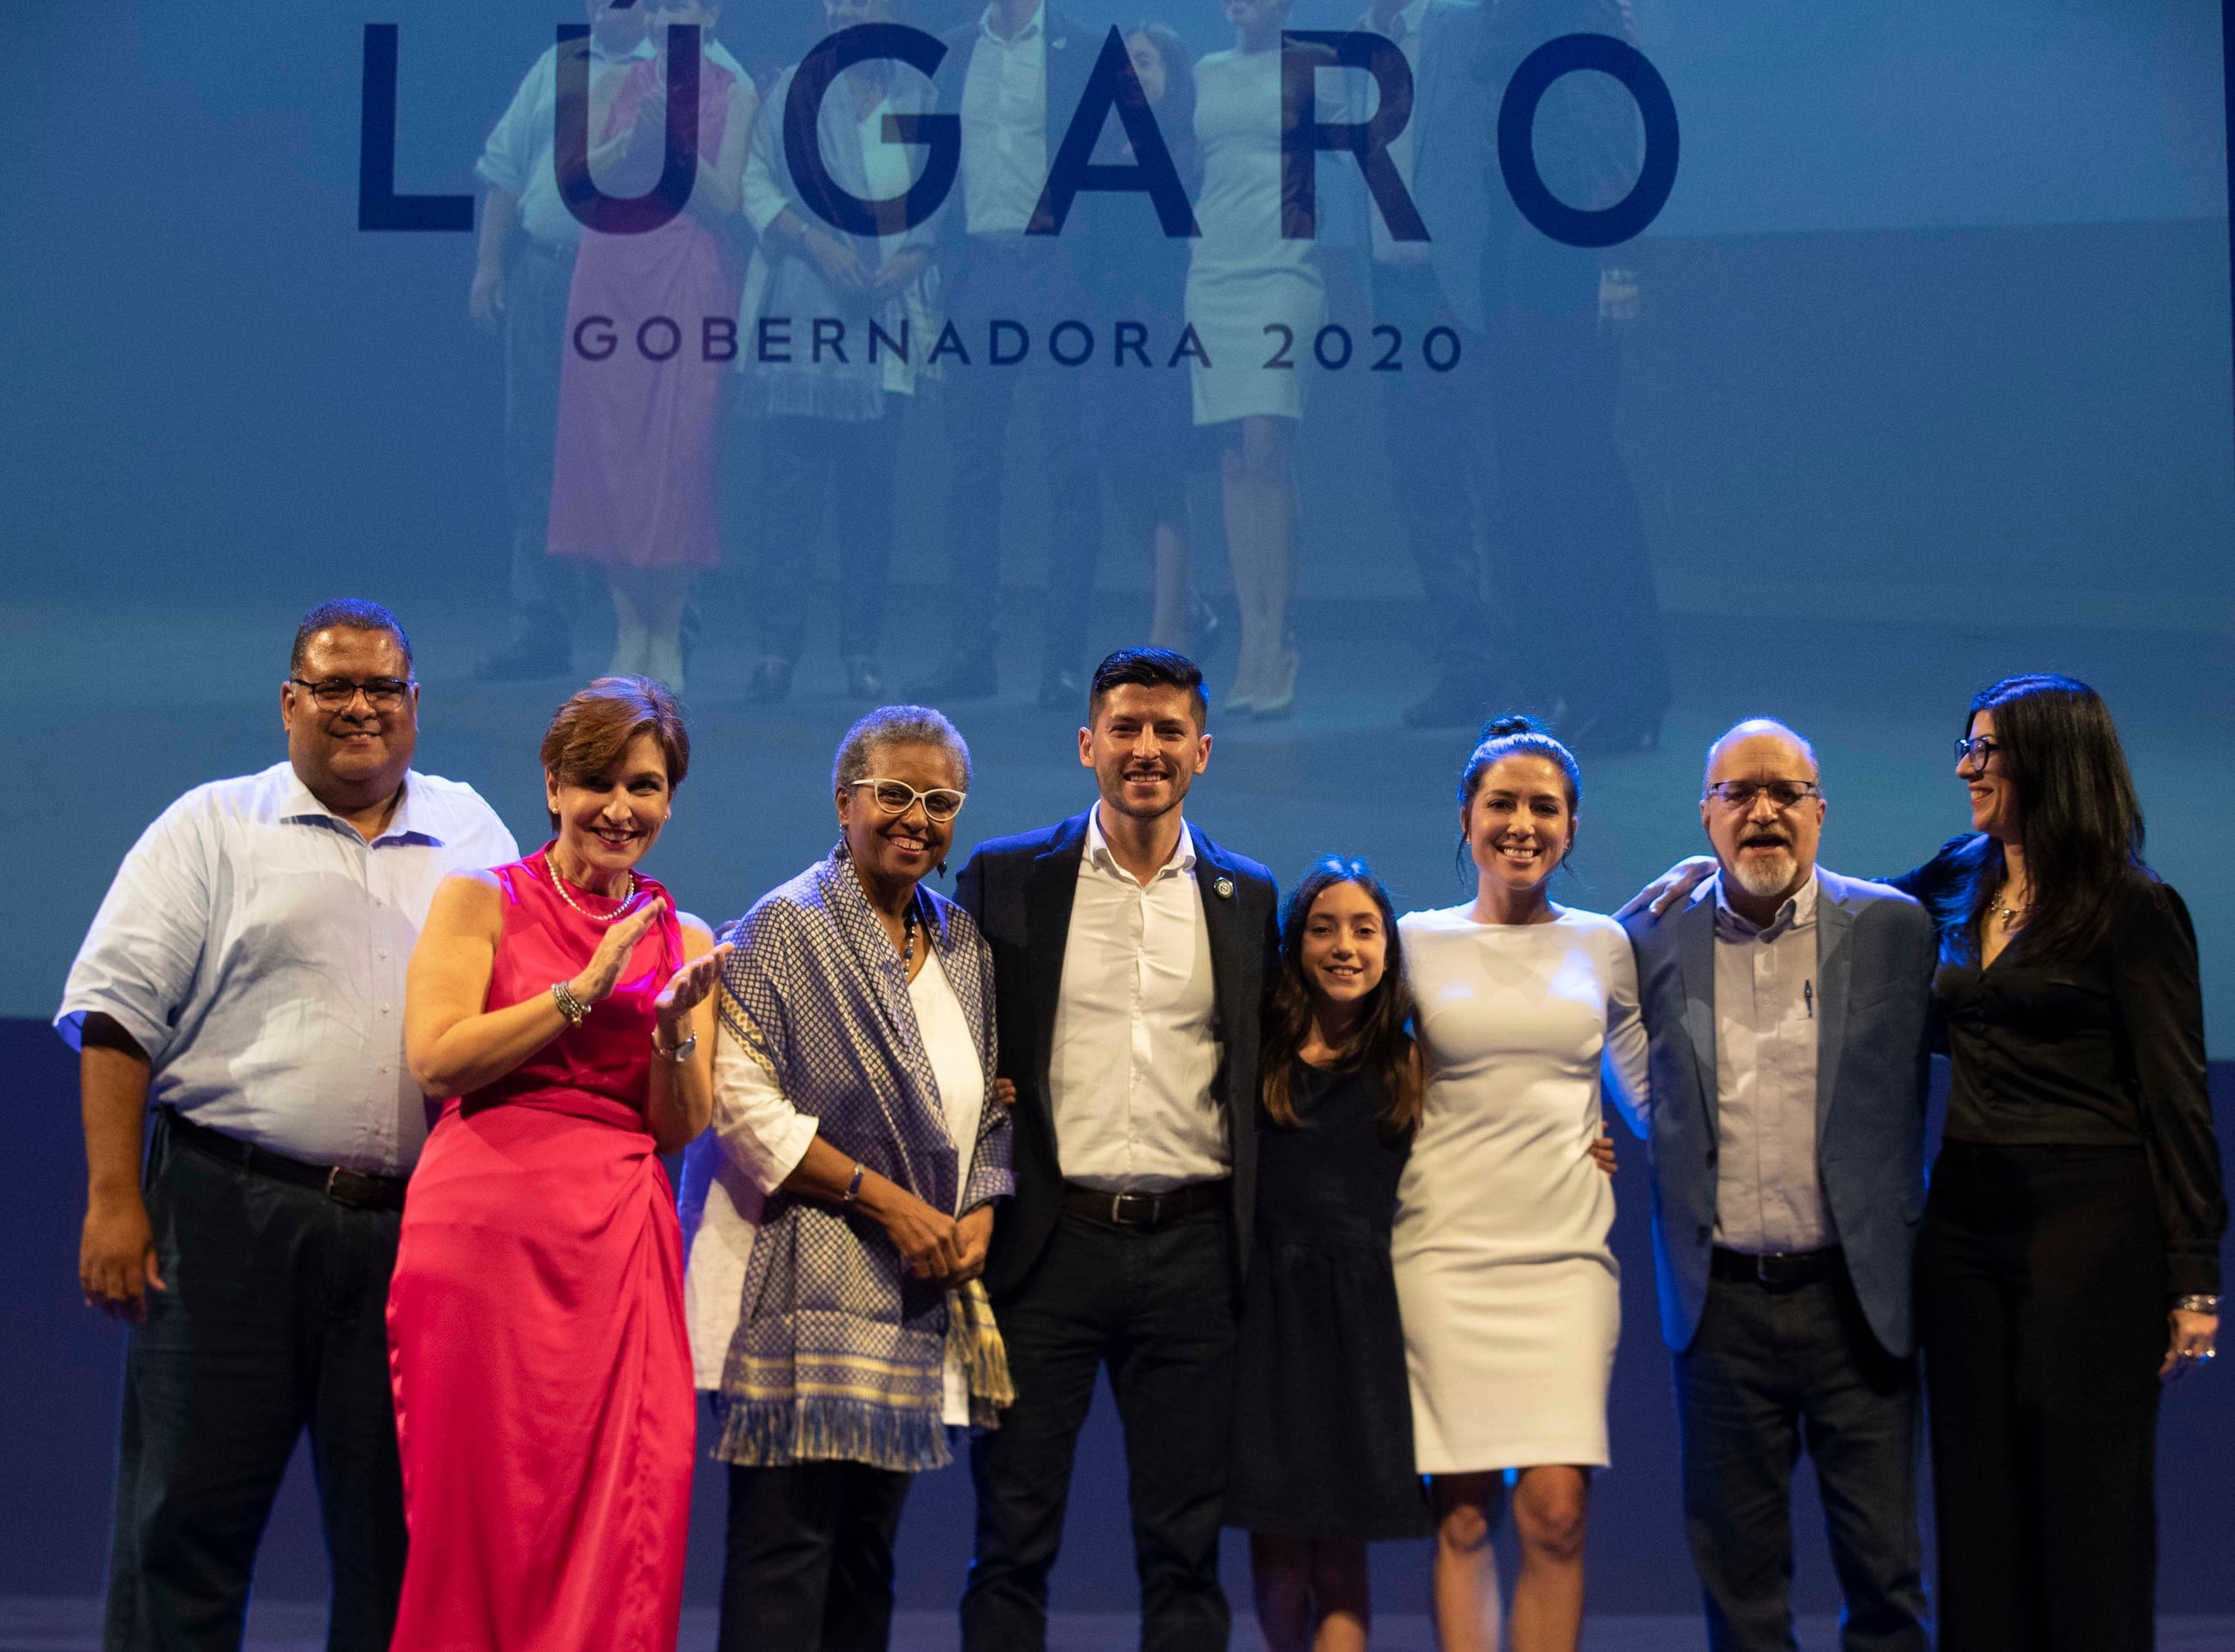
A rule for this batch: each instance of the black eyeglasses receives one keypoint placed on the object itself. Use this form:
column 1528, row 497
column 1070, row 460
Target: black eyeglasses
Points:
column 1782, row 794
column 897, row 797
column 1977, row 750
column 336, row 693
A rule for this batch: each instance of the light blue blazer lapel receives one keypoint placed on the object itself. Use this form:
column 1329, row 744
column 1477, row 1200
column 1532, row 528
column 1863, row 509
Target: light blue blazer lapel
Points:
column 1695, row 954
column 1835, row 971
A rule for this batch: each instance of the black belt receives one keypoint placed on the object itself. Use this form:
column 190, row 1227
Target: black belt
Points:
column 359, row 1189
column 1778, row 1270
column 1143, row 1209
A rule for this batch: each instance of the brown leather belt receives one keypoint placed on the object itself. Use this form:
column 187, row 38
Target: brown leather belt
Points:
column 359, row 1189
column 1143, row 1209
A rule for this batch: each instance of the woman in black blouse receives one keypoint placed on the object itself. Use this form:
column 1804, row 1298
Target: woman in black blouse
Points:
column 2070, row 1254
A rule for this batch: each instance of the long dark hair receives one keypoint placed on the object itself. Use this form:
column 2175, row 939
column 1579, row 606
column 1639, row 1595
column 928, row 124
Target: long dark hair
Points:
column 2079, row 820
column 1176, row 118
column 1382, row 1046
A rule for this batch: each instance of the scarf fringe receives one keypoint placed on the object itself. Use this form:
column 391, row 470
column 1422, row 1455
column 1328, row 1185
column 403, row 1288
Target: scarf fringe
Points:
column 974, row 1341
column 766, row 1433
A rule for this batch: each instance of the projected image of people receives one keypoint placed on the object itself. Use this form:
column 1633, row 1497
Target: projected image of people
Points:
column 1436, row 424
column 1245, row 280
column 1596, row 665
column 1142, row 423
column 1013, row 76
column 632, row 486
column 521, row 278
column 828, row 405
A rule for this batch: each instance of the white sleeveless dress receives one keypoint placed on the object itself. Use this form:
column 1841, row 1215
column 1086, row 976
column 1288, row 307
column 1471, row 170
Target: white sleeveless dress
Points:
column 1242, row 277
column 1511, row 1296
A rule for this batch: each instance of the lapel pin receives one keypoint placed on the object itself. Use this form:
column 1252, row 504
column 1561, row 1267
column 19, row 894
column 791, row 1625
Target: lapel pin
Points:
column 1223, row 888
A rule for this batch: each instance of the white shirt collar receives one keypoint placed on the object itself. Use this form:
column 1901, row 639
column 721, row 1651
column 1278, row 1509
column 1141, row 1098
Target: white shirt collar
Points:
column 301, row 803
column 643, row 49
column 1033, row 26
column 1098, row 849
column 1799, row 910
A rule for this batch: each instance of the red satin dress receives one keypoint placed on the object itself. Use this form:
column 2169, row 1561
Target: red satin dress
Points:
column 536, row 1337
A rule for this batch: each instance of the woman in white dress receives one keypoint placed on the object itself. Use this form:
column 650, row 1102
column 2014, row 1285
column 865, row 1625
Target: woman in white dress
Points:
column 1245, row 285
column 1509, row 1292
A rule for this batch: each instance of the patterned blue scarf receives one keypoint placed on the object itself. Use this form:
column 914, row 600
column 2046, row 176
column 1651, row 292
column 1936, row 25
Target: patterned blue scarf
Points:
column 838, row 1352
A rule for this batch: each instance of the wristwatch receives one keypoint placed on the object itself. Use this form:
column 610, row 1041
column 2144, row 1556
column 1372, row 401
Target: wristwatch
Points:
column 680, row 1054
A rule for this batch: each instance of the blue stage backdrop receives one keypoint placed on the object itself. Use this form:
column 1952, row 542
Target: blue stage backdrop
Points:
column 1823, row 361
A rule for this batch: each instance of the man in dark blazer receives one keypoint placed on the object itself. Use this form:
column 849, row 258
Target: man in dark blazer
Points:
column 1014, row 75
column 1787, row 1009
column 1130, row 955
column 1436, row 423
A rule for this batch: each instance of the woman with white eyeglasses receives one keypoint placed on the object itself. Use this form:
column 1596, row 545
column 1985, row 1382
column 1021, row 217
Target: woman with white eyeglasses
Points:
column 841, row 1207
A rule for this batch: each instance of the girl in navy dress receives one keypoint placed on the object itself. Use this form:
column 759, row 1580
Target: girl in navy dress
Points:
column 1323, row 1434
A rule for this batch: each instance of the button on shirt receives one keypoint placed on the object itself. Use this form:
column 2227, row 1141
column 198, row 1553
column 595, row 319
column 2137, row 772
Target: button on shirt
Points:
column 1768, row 1190
column 1005, row 126
column 255, row 946
column 1136, row 1043
column 1406, row 32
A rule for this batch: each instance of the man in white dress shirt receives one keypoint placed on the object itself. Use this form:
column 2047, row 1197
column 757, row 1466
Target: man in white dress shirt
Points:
column 244, row 977
column 1015, row 76
column 1130, row 954
column 1786, row 1008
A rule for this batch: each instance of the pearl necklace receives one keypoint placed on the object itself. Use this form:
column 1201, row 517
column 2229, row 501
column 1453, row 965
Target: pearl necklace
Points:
column 559, row 883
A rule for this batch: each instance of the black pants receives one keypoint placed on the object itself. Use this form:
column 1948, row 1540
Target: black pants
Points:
column 1769, row 1371
column 808, row 1561
column 2041, row 1297
column 275, row 1319
column 1033, row 285
column 847, row 464
column 1436, row 425
column 1569, row 508
column 1159, row 1308
column 543, row 586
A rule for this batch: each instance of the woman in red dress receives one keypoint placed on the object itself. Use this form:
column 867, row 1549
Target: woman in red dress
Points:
column 536, row 1337
column 632, row 486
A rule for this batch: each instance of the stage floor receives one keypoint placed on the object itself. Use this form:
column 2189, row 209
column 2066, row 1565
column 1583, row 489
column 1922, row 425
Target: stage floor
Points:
column 64, row 1625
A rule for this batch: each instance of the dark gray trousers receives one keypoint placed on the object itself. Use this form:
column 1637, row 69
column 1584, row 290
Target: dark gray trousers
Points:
column 275, row 1320
column 1770, row 1371
column 543, row 586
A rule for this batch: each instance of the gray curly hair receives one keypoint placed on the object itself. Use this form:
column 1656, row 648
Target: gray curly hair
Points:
column 897, row 726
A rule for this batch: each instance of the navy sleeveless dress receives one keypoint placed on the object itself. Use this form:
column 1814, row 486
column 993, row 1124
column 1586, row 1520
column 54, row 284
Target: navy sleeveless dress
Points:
column 1322, row 1445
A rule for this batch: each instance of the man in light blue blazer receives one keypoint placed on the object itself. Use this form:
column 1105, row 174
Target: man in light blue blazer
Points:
column 1787, row 1009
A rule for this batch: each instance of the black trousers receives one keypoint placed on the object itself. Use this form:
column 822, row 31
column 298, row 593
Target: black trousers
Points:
column 808, row 1560
column 276, row 1319
column 847, row 464
column 1437, row 425
column 1568, row 507
column 1159, row 1309
column 543, row 586
column 1769, row 1372
column 2041, row 1297
column 1032, row 283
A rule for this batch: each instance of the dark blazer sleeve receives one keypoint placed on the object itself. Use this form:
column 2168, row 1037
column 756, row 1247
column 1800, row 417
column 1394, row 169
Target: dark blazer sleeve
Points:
column 2156, row 982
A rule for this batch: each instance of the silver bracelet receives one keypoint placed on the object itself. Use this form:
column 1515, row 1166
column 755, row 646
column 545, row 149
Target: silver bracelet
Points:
column 2197, row 1305
column 569, row 1006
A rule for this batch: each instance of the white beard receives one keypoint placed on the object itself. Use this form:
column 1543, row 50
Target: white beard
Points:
column 1766, row 876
